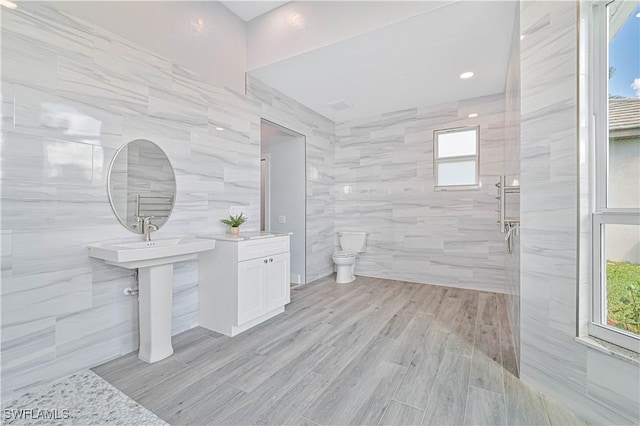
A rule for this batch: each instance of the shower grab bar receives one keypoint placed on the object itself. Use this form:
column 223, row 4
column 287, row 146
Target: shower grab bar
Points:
column 504, row 189
column 507, row 188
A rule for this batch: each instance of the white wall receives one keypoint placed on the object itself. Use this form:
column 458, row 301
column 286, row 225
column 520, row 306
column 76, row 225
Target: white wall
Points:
column 203, row 37
column 287, row 191
column 301, row 26
column 320, row 137
column 597, row 386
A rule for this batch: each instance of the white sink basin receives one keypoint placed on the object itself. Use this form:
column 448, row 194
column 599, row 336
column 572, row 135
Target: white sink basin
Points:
column 154, row 261
column 150, row 244
column 140, row 254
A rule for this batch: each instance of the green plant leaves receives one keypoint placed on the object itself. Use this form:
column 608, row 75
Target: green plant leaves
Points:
column 623, row 295
column 234, row 221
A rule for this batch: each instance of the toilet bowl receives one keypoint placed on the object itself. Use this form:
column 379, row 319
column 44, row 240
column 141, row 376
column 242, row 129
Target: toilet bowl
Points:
column 351, row 243
column 345, row 266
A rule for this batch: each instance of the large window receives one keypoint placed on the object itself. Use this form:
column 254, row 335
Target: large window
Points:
column 456, row 158
column 616, row 184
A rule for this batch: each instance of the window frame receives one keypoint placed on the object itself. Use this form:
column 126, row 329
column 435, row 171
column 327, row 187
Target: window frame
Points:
column 597, row 327
column 456, row 159
column 601, row 214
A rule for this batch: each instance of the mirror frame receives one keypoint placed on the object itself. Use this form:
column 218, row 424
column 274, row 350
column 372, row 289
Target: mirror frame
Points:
column 110, row 196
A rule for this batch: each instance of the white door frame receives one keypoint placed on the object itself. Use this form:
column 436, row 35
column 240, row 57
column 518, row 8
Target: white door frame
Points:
column 266, row 191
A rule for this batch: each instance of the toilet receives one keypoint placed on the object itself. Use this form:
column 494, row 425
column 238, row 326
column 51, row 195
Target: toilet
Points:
column 351, row 243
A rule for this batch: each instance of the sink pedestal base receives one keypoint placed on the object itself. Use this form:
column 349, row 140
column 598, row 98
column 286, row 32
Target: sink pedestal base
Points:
column 154, row 261
column 155, row 297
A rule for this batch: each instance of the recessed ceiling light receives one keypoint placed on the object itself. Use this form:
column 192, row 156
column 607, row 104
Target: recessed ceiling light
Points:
column 522, row 37
column 467, row 74
column 296, row 20
column 220, row 128
column 8, row 4
column 473, row 115
column 198, row 25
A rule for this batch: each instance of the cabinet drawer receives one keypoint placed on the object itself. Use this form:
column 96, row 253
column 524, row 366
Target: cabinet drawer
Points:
column 257, row 248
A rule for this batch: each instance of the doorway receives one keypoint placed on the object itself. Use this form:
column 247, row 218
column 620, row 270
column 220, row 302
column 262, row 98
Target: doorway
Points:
column 283, row 185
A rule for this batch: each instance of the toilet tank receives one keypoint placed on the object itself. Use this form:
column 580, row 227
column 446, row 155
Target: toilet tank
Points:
column 353, row 242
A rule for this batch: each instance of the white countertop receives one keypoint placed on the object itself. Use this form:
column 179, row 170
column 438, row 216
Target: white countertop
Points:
column 244, row 236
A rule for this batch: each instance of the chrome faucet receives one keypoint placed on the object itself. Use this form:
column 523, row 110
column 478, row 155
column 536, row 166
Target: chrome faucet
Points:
column 149, row 227
column 139, row 225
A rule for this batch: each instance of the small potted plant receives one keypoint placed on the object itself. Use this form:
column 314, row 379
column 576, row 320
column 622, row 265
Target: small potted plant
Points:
column 234, row 222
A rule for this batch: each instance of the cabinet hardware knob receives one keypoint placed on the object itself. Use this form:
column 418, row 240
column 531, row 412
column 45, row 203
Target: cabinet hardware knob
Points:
column 265, row 261
column 271, row 260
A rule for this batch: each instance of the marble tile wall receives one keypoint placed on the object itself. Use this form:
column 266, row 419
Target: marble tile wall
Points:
column 384, row 186
column 320, row 143
column 598, row 387
column 72, row 93
column 512, row 175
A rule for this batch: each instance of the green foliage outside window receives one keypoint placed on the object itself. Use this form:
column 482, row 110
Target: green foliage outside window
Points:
column 623, row 295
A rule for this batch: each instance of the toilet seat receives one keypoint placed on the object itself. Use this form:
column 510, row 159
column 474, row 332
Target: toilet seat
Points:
column 344, row 254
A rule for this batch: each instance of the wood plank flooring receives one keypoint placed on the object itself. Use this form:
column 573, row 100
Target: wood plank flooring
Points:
column 371, row 352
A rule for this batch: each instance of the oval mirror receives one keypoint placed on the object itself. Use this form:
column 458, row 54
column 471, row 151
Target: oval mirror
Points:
column 141, row 183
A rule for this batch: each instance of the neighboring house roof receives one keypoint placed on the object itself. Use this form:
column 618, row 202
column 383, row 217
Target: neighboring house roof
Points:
column 624, row 117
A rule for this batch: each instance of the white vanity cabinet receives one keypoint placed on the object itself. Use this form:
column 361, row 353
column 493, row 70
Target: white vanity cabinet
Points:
column 243, row 282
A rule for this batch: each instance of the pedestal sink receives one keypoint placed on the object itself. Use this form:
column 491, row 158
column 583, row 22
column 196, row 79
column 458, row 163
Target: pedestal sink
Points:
column 154, row 261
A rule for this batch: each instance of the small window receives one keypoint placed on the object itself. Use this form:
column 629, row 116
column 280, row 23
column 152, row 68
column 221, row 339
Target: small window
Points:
column 456, row 158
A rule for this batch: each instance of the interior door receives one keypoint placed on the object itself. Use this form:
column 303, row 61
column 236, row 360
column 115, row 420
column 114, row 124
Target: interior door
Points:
column 265, row 188
column 284, row 190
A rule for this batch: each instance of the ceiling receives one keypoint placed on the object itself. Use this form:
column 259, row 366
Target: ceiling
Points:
column 248, row 10
column 415, row 62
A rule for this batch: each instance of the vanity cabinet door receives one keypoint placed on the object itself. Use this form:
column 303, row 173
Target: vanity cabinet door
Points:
column 277, row 281
column 251, row 290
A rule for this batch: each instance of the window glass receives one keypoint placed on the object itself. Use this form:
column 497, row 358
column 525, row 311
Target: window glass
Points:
column 623, row 171
column 622, row 273
column 456, row 144
column 457, row 173
column 456, row 158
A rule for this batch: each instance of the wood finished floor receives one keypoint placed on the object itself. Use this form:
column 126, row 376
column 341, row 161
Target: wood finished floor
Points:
column 371, row 352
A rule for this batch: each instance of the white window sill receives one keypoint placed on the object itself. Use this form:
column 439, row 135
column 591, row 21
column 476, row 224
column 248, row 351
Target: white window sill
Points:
column 456, row 187
column 610, row 349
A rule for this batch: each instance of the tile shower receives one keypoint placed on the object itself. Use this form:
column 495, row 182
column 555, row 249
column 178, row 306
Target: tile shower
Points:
column 384, row 186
